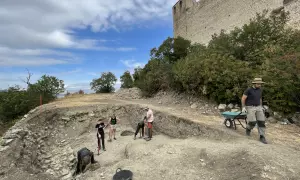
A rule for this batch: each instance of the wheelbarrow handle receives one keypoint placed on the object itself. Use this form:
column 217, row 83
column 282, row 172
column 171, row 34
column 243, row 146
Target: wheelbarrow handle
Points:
column 238, row 114
column 118, row 170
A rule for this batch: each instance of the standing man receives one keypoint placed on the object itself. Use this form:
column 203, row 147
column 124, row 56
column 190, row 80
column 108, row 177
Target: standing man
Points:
column 252, row 105
column 150, row 119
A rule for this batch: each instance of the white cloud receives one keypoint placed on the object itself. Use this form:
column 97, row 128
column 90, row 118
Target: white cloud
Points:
column 132, row 63
column 33, row 28
column 8, row 79
column 49, row 23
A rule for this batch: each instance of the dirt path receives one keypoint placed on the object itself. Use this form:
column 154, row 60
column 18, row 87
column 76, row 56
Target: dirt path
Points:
column 285, row 135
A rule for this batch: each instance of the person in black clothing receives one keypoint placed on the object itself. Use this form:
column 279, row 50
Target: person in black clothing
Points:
column 100, row 134
column 252, row 106
column 84, row 157
column 140, row 125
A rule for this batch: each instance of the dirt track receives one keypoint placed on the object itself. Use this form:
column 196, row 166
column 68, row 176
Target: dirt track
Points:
column 186, row 145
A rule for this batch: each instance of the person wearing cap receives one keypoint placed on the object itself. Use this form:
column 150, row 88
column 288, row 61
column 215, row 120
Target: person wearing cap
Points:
column 252, row 106
column 150, row 119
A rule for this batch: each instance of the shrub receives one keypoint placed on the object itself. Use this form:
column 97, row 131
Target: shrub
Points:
column 80, row 92
column 224, row 68
column 126, row 80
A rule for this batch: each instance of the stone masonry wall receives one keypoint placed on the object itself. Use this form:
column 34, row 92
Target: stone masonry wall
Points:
column 197, row 20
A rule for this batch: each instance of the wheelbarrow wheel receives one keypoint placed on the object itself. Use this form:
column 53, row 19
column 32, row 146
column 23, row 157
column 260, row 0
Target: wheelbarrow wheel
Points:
column 228, row 123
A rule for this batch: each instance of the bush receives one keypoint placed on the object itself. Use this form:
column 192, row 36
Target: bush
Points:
column 217, row 77
column 282, row 89
column 80, row 92
column 155, row 76
column 126, row 80
column 223, row 69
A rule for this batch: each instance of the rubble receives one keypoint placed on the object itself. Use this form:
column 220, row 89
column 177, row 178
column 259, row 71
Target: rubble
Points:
column 130, row 93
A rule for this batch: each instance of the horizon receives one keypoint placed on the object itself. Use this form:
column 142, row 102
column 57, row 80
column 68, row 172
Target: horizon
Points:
column 77, row 41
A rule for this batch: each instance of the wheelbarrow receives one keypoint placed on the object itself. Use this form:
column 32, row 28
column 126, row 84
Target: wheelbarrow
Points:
column 232, row 119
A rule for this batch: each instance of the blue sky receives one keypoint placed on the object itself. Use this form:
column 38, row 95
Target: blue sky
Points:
column 77, row 41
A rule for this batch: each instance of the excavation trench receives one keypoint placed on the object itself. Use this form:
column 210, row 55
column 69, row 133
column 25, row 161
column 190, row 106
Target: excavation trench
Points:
column 44, row 145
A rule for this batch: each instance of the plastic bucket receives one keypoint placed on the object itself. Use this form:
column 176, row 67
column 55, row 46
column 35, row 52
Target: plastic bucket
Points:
column 123, row 175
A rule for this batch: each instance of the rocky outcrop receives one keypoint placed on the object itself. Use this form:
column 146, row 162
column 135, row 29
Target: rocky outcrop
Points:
column 130, row 93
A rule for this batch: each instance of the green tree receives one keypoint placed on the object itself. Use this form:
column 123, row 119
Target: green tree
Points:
column 171, row 50
column 13, row 103
column 126, row 80
column 248, row 42
column 137, row 76
column 47, row 86
column 104, row 84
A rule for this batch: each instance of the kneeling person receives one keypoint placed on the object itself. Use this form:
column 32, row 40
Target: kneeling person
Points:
column 85, row 157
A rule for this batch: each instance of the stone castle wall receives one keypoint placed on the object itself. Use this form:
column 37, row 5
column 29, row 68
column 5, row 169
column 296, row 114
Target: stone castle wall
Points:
column 197, row 20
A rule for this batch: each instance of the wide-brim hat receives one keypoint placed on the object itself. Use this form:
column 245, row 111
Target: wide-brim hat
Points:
column 257, row 81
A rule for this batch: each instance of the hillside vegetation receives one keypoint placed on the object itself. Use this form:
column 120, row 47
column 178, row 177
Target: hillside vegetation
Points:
column 17, row 101
column 223, row 69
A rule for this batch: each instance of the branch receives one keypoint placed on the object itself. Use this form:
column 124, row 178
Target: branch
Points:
column 27, row 81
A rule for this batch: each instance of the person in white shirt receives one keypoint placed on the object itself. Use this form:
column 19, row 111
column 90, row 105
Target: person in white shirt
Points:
column 150, row 120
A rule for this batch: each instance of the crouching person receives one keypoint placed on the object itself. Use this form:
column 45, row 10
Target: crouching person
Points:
column 140, row 125
column 85, row 158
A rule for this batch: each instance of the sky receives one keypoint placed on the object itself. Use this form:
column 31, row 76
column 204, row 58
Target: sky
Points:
column 77, row 40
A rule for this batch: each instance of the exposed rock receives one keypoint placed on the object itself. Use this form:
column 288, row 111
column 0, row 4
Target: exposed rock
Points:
column 65, row 118
column 236, row 106
column 194, row 106
column 5, row 142
column 230, row 106
column 222, row 107
column 50, row 171
column 32, row 111
column 131, row 93
column 296, row 118
column 82, row 120
column 272, row 120
column 10, row 136
column 3, row 148
column 204, row 90
column 68, row 176
column 277, row 115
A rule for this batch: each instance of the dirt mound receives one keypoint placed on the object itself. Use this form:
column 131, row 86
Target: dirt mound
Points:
column 131, row 93
column 44, row 143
